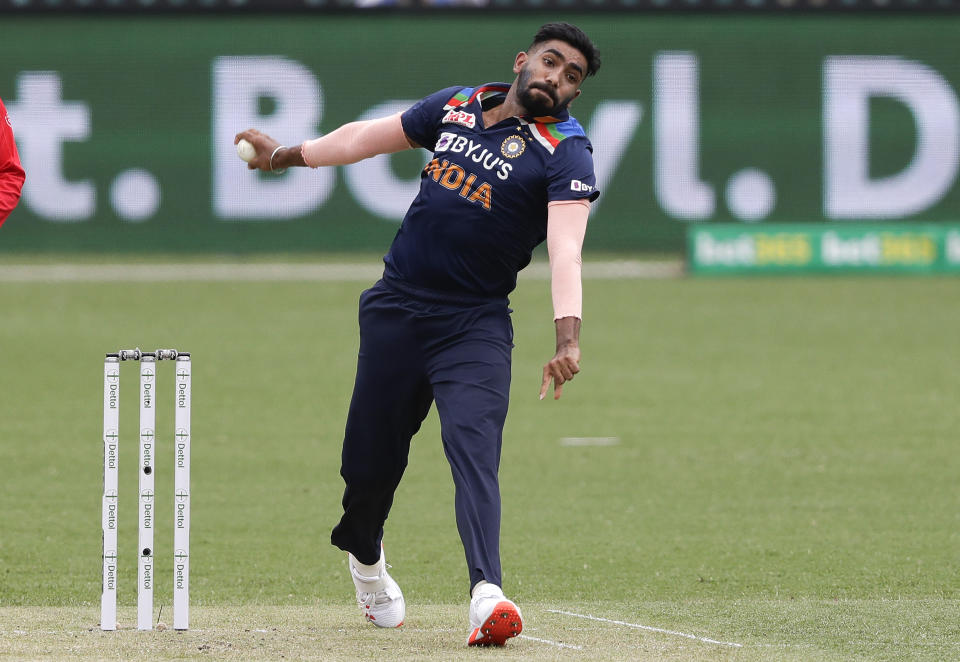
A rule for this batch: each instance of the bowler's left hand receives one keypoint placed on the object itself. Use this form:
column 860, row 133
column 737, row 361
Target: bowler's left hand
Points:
column 561, row 369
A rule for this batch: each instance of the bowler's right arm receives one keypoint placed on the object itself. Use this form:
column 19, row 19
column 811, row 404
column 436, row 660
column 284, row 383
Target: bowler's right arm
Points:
column 350, row 143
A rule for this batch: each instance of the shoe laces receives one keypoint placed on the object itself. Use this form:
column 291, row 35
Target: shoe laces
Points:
column 374, row 598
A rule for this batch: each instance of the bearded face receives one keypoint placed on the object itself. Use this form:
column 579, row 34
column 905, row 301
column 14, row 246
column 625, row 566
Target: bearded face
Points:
column 537, row 97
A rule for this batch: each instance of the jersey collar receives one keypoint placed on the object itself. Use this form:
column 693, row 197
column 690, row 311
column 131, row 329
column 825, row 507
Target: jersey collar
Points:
column 492, row 95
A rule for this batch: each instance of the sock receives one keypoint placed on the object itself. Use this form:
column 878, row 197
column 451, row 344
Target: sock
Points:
column 366, row 570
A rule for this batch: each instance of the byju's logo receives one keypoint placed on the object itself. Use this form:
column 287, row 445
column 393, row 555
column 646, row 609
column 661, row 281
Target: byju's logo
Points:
column 577, row 185
column 444, row 141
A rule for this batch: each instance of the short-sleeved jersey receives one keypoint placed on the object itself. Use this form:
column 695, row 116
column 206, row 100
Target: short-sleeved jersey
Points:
column 482, row 205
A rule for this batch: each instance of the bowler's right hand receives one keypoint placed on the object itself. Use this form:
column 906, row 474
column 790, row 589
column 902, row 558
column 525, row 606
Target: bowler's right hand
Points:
column 264, row 144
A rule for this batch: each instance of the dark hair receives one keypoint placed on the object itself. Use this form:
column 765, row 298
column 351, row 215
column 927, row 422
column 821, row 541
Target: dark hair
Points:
column 575, row 37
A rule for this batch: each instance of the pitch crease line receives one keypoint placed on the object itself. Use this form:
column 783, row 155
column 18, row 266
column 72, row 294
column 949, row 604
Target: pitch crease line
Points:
column 547, row 641
column 647, row 627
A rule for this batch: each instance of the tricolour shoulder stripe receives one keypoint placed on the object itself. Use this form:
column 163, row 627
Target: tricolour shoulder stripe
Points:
column 468, row 94
column 460, row 98
column 569, row 128
column 549, row 134
column 550, row 137
column 536, row 131
column 489, row 90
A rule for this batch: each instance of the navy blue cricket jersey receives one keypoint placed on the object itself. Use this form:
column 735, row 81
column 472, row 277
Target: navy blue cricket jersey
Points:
column 482, row 206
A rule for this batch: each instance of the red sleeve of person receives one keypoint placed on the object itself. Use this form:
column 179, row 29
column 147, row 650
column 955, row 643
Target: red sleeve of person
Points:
column 11, row 172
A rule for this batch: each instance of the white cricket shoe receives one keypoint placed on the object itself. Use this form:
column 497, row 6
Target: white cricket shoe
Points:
column 378, row 596
column 493, row 618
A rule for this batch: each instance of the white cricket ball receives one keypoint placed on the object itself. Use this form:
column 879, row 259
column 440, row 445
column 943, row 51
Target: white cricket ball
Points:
column 246, row 151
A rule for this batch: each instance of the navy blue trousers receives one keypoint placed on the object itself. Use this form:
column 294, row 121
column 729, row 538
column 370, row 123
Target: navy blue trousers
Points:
column 415, row 350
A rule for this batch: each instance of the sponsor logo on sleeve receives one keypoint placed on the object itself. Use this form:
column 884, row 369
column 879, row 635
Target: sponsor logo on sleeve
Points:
column 460, row 117
column 9, row 123
column 577, row 185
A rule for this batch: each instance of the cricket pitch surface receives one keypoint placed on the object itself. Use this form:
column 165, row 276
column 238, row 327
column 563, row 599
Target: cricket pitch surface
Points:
column 791, row 630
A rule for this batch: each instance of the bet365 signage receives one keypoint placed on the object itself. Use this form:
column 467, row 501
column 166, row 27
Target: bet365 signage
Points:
column 787, row 248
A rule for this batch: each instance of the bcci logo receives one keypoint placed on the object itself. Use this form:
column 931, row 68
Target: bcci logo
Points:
column 513, row 147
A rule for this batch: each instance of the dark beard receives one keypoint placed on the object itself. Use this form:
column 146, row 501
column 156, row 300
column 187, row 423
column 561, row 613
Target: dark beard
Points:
column 536, row 105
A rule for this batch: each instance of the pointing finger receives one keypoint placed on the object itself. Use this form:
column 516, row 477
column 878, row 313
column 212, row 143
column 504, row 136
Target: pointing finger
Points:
column 546, row 381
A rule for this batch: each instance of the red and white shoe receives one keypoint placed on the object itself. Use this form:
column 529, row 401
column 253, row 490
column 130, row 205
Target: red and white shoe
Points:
column 378, row 595
column 493, row 618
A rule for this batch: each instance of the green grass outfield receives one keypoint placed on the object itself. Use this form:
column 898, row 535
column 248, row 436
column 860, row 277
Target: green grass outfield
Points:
column 778, row 468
